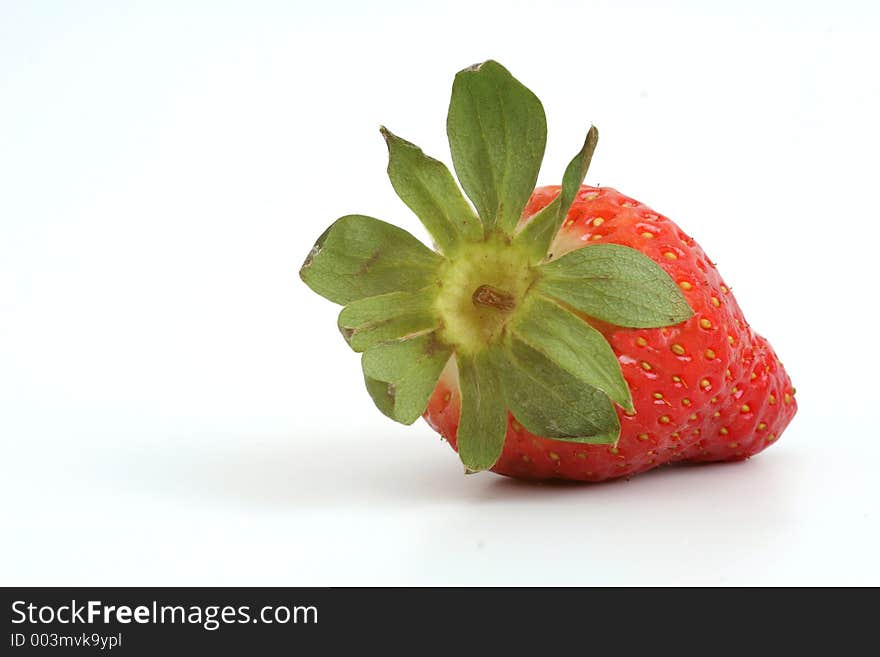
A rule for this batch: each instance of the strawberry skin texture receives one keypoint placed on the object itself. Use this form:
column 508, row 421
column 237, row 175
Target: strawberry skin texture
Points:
column 708, row 389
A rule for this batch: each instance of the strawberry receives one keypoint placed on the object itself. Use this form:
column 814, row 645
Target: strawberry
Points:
column 562, row 332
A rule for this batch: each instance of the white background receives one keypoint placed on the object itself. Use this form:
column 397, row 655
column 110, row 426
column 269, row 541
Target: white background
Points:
column 177, row 408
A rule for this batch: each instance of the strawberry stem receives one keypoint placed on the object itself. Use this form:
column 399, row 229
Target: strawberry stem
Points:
column 492, row 297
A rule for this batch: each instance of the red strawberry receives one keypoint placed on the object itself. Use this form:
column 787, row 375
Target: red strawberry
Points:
column 708, row 389
column 569, row 332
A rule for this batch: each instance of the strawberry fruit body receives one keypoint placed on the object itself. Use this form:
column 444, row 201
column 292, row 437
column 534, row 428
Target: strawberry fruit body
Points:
column 707, row 389
column 562, row 332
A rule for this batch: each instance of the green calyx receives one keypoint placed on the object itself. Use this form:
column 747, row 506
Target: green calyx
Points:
column 517, row 326
column 481, row 290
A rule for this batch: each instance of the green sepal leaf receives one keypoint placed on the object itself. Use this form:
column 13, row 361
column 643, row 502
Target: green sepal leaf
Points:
column 550, row 402
column 576, row 171
column 572, row 345
column 430, row 191
column 538, row 234
column 401, row 375
column 392, row 316
column 483, row 422
column 616, row 284
column 497, row 133
column 359, row 257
